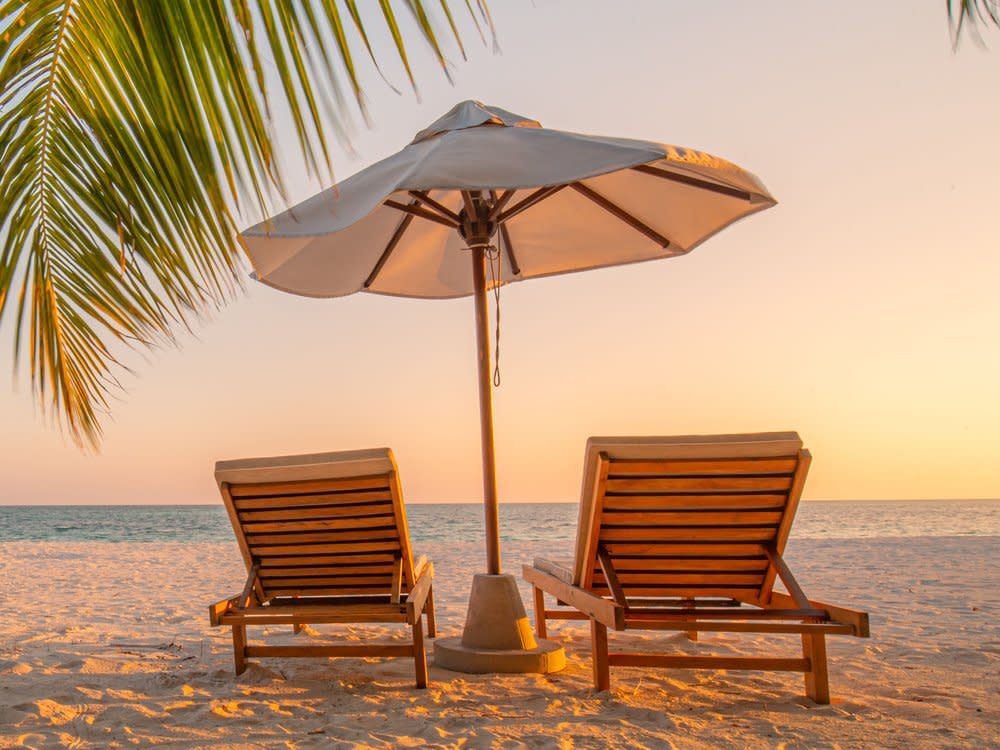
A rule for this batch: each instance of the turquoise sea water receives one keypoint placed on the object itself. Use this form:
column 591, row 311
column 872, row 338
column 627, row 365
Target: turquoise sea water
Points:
column 442, row 523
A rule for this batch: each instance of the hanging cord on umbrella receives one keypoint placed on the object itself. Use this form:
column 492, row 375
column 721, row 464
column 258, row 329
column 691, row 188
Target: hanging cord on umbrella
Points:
column 496, row 275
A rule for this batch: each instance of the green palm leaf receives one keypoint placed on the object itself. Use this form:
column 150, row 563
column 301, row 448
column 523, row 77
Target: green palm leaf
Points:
column 971, row 14
column 131, row 131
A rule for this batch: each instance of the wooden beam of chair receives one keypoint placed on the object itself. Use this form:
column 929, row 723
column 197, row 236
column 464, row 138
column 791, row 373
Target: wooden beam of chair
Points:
column 604, row 611
column 683, row 602
column 679, row 615
column 218, row 609
column 372, row 650
column 785, row 574
column 329, row 618
column 855, row 618
column 249, row 586
column 709, row 662
column 419, row 594
column 729, row 626
column 396, row 590
column 608, row 568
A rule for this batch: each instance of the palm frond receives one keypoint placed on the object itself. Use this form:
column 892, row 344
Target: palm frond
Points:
column 131, row 132
column 969, row 15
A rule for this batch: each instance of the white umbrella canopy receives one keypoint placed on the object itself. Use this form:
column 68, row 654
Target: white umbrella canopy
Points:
column 482, row 183
column 552, row 202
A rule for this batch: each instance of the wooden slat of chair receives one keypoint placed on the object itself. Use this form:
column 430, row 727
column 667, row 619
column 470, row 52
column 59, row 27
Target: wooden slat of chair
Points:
column 336, row 558
column 314, row 570
column 680, row 564
column 627, row 467
column 667, row 549
column 687, row 534
column 352, row 510
column 707, row 485
column 387, row 533
column 659, row 502
column 381, row 582
column 743, row 593
column 627, row 580
column 320, row 524
column 692, row 518
column 319, row 486
column 342, row 548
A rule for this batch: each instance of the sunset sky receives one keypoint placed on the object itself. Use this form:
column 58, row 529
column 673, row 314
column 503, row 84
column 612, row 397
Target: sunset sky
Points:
column 862, row 311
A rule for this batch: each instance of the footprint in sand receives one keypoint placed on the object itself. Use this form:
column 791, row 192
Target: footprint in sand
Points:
column 60, row 713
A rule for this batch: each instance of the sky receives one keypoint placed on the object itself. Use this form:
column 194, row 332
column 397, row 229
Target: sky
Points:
column 862, row 311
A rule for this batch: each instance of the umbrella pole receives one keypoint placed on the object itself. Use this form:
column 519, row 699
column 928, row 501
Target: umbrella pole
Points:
column 486, row 412
column 497, row 636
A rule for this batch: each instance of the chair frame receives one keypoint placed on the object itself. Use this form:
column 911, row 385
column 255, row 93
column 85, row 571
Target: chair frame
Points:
column 694, row 611
column 253, row 606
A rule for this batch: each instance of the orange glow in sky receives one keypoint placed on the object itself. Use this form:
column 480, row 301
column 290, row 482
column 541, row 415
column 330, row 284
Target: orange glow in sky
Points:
column 862, row 311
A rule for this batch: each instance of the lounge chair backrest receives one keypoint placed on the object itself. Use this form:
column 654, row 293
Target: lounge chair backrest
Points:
column 325, row 524
column 688, row 516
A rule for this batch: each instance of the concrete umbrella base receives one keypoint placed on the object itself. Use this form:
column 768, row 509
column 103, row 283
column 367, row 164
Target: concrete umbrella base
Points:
column 497, row 635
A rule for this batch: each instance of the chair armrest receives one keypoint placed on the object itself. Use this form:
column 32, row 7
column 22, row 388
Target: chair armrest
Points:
column 417, row 597
column 605, row 611
column 855, row 618
column 217, row 610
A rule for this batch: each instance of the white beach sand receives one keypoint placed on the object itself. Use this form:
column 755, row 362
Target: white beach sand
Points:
column 108, row 645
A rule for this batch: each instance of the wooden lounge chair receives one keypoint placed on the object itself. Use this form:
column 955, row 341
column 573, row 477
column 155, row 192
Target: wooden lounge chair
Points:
column 325, row 540
column 687, row 534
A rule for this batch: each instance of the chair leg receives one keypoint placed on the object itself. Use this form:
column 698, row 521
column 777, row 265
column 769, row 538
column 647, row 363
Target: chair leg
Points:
column 540, row 613
column 239, row 648
column 419, row 654
column 692, row 635
column 599, row 655
column 817, row 680
column 429, row 611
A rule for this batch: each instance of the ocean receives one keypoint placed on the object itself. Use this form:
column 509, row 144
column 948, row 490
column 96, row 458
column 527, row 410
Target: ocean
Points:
column 440, row 523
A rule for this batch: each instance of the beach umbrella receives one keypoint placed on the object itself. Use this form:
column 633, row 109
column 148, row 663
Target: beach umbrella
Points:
column 484, row 197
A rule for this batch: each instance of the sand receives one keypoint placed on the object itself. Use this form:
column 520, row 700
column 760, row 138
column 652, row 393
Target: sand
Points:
column 108, row 645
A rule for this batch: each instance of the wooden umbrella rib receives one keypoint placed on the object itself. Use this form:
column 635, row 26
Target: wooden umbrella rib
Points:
column 693, row 181
column 504, row 234
column 393, row 241
column 499, row 203
column 414, row 209
column 423, row 197
column 470, row 207
column 539, row 195
column 620, row 213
